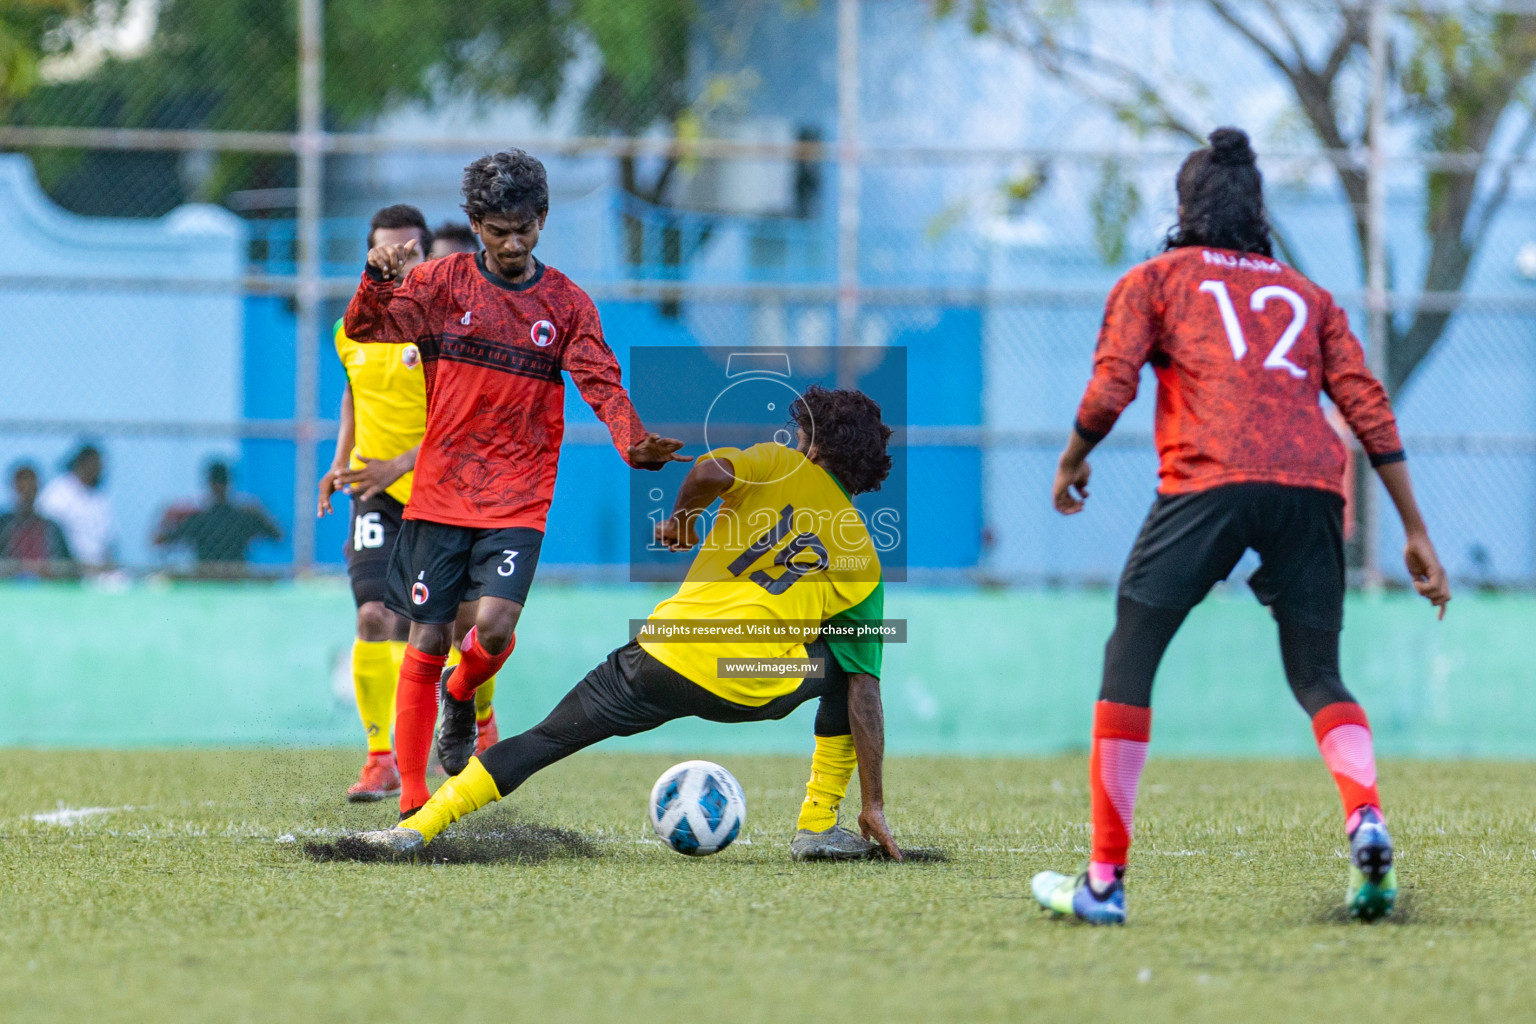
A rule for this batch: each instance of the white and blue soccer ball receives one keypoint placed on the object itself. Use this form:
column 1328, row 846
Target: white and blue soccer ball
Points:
column 697, row 808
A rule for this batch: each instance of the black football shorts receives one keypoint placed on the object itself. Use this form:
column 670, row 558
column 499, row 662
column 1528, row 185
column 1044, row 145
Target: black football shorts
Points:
column 1190, row 542
column 435, row 566
column 374, row 528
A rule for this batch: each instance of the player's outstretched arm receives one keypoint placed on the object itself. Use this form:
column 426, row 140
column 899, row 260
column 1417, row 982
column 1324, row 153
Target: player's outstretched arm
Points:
column 654, row 451
column 1070, row 489
column 866, row 715
column 704, row 483
column 1419, row 554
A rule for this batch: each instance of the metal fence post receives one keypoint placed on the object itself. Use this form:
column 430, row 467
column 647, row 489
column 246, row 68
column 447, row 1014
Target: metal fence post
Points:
column 309, row 143
column 1377, row 304
column 848, row 184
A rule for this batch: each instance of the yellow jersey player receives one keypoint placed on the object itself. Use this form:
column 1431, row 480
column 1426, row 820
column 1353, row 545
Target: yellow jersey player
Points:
column 383, row 417
column 789, row 567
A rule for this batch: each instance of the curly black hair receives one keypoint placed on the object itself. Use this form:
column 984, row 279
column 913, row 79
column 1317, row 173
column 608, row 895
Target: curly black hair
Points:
column 844, row 426
column 401, row 215
column 1221, row 197
column 509, row 182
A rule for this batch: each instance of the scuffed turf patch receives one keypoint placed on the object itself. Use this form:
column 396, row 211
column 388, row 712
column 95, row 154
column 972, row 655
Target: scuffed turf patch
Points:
column 913, row 855
column 922, row 855
column 492, row 843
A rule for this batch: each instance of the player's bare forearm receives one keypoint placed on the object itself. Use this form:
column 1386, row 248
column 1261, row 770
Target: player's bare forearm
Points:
column 1069, row 490
column 703, row 485
column 866, row 718
column 344, row 441
column 1394, row 476
column 1419, row 555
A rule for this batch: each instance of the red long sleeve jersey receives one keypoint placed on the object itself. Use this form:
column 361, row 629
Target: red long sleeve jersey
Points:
column 1241, row 345
column 492, row 353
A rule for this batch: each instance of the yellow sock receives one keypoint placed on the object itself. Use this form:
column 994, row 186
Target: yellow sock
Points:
column 467, row 791
column 454, row 655
column 373, row 680
column 831, row 767
column 483, row 695
column 397, row 654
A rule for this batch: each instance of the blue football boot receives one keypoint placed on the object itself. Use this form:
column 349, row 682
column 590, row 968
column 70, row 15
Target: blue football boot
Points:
column 1071, row 894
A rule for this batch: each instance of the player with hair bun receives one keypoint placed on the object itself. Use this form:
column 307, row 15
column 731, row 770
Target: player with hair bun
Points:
column 1242, row 346
column 496, row 331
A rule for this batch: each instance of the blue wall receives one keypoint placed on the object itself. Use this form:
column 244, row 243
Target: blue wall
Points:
column 588, row 521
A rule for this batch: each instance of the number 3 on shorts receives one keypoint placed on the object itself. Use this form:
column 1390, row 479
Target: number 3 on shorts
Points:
column 367, row 532
column 508, row 565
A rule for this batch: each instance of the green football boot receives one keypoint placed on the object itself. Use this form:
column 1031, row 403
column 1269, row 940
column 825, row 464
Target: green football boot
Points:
column 1372, row 876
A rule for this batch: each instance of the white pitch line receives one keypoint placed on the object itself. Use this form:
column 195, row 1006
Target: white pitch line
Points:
column 70, row 816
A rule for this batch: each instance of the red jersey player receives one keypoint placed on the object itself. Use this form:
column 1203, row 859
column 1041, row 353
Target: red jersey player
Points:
column 495, row 331
column 1242, row 346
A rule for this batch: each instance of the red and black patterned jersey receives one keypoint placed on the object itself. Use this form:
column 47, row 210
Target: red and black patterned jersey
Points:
column 1242, row 345
column 493, row 352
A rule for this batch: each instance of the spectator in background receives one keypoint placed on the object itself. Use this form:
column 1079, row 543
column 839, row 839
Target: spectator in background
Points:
column 450, row 238
column 30, row 543
column 219, row 531
column 76, row 502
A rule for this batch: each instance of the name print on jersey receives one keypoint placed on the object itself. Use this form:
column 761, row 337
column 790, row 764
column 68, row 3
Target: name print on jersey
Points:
column 1227, row 259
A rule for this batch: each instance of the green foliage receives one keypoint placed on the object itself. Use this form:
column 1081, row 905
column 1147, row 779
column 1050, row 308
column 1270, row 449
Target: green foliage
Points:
column 25, row 27
column 232, row 65
column 1114, row 204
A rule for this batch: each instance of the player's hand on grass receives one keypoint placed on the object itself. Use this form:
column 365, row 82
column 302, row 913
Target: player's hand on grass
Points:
column 656, row 451
column 1070, row 488
column 1426, row 572
column 372, row 479
column 388, row 259
column 872, row 826
column 676, row 533
column 329, row 485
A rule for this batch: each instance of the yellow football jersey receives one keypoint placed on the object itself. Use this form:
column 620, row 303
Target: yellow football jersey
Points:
column 787, row 546
column 389, row 402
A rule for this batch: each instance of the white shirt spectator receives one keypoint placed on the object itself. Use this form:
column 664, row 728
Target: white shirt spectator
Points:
column 83, row 513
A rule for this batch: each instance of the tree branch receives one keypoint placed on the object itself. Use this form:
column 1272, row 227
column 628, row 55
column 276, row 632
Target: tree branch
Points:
column 1491, row 206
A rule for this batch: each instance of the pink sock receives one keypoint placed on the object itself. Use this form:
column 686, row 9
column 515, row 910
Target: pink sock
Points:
column 1102, row 875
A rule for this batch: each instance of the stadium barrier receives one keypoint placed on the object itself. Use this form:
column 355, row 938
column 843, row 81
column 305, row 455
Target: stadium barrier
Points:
column 982, row 672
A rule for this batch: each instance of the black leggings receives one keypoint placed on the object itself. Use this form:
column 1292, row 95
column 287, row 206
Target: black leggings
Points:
column 631, row 692
column 1142, row 633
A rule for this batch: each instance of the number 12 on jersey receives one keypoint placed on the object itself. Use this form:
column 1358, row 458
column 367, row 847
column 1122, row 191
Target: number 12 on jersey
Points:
column 1278, row 358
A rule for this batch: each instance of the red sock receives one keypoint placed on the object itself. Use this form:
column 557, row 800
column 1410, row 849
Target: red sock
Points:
column 1344, row 738
column 415, row 718
column 1120, row 735
column 477, row 666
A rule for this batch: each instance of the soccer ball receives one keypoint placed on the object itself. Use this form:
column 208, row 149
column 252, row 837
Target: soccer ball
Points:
column 697, row 808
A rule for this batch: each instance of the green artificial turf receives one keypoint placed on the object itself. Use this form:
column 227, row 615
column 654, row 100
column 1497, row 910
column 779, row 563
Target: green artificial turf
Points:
column 181, row 904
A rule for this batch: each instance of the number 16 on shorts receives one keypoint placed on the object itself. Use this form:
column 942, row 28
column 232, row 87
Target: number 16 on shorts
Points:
column 367, row 532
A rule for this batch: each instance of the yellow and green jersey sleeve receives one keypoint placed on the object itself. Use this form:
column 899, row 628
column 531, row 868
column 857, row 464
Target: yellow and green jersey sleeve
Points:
column 389, row 402
column 787, row 545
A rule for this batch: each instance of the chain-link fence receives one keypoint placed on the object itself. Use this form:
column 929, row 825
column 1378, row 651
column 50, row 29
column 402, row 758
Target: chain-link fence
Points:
column 187, row 190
